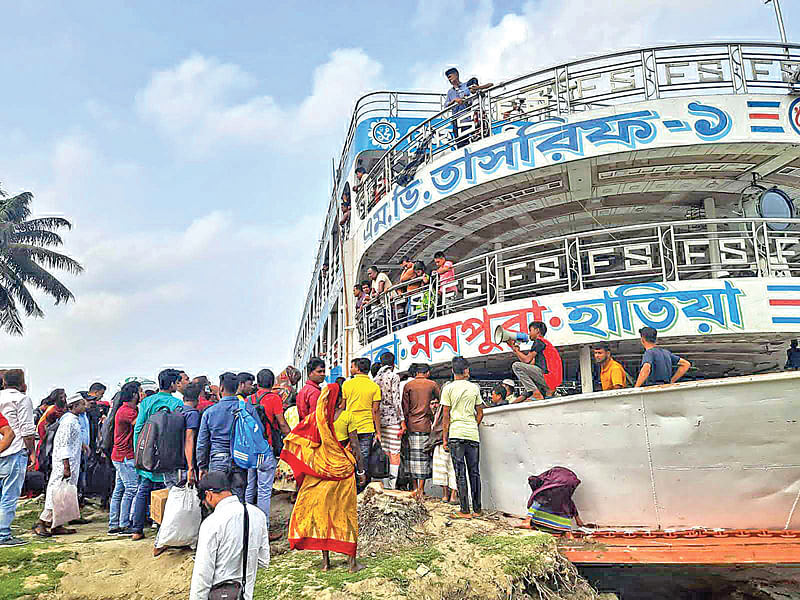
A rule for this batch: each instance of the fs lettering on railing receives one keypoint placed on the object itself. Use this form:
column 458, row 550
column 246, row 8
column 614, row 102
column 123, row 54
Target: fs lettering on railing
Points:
column 640, row 255
column 639, row 75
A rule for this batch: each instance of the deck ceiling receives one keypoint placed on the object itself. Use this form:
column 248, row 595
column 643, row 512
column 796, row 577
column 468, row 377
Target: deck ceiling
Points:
column 627, row 188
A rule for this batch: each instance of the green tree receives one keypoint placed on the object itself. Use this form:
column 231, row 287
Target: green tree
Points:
column 26, row 258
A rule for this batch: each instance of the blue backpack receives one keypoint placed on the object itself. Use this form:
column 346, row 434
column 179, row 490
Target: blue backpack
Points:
column 248, row 446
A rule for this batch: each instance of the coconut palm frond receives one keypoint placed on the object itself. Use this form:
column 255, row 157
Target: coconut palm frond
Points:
column 26, row 261
column 14, row 285
column 40, row 237
column 16, row 209
column 31, row 273
column 48, row 223
column 49, row 258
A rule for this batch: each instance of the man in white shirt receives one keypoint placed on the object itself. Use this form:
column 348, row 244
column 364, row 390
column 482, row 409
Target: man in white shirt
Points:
column 181, row 385
column 219, row 546
column 17, row 408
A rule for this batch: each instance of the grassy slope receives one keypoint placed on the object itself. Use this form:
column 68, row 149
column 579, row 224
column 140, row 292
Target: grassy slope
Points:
column 35, row 559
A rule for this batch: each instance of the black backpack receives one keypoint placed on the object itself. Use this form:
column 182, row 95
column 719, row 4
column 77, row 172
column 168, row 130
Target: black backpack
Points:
column 45, row 456
column 275, row 431
column 107, row 430
column 159, row 447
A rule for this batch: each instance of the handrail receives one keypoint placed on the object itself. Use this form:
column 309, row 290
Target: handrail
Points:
column 644, row 74
column 647, row 75
column 659, row 252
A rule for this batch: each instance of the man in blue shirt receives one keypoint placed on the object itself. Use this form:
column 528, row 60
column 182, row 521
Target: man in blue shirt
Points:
column 658, row 363
column 458, row 96
column 167, row 385
column 216, row 430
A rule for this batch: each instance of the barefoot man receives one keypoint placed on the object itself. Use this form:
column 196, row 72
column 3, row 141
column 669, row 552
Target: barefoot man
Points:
column 418, row 395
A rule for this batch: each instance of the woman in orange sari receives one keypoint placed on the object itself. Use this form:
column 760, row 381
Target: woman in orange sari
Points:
column 325, row 516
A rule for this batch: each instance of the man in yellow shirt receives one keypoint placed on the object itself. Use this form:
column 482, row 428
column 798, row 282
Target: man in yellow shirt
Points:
column 363, row 398
column 612, row 375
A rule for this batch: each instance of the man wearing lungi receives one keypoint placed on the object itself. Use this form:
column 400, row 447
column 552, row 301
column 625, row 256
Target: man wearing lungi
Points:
column 418, row 394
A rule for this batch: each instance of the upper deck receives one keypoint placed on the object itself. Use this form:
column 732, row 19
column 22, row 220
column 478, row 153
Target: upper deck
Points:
column 619, row 144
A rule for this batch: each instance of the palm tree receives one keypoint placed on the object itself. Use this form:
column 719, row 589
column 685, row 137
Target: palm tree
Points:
column 25, row 257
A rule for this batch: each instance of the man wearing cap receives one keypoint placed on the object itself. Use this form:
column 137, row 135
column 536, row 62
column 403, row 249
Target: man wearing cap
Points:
column 612, row 375
column 510, row 386
column 658, row 363
column 220, row 544
column 66, row 463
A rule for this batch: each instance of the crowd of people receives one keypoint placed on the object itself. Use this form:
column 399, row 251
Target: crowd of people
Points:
column 326, row 436
column 409, row 298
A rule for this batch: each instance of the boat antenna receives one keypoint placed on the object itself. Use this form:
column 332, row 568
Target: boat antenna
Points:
column 779, row 18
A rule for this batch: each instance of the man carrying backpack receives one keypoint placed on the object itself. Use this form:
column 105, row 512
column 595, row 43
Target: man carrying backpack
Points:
column 270, row 409
column 214, row 440
column 149, row 481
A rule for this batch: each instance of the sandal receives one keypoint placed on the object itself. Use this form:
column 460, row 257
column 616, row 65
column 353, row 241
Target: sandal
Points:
column 459, row 515
column 61, row 530
column 39, row 531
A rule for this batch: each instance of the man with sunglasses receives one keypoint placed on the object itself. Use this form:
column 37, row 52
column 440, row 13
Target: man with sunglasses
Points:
column 220, row 545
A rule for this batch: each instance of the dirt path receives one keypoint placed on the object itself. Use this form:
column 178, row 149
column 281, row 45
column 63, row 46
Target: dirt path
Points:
column 434, row 557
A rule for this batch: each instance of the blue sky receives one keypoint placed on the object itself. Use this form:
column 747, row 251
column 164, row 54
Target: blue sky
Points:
column 190, row 144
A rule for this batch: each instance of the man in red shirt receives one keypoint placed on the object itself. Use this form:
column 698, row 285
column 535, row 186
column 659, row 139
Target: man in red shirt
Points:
column 127, row 481
column 447, row 275
column 307, row 397
column 270, row 409
column 7, row 434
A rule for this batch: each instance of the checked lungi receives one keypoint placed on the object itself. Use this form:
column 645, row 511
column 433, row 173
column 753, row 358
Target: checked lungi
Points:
column 390, row 438
column 419, row 461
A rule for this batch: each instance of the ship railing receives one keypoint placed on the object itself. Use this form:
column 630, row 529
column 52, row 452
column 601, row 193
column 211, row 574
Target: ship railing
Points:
column 605, row 81
column 656, row 253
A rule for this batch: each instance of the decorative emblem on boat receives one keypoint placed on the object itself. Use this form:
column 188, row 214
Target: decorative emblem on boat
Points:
column 383, row 133
column 794, row 115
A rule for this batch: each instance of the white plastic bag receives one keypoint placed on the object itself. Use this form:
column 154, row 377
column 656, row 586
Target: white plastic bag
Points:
column 65, row 503
column 180, row 525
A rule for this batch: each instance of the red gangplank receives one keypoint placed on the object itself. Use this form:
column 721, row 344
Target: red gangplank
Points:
column 696, row 546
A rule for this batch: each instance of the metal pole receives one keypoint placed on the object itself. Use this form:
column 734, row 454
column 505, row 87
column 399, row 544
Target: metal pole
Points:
column 779, row 17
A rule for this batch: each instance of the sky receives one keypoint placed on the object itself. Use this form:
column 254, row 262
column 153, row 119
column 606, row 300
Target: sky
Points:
column 190, row 145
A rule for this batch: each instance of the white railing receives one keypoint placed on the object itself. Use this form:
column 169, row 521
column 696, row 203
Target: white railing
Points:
column 632, row 76
column 658, row 252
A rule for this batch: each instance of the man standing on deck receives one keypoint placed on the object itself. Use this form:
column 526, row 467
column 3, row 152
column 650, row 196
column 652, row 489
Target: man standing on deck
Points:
column 612, row 375
column 658, row 363
column 307, row 397
column 418, row 395
column 458, row 97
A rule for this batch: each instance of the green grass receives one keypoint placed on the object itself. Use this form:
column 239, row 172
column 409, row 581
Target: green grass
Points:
column 21, row 562
column 27, row 515
column 297, row 575
column 521, row 554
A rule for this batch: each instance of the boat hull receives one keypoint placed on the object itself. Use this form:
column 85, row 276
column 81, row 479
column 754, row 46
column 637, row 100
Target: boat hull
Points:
column 720, row 453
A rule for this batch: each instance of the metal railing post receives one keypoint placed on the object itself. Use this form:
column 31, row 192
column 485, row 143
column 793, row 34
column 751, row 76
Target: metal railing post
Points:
column 674, row 253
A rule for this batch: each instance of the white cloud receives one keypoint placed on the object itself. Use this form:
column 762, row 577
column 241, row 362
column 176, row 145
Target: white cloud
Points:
column 206, row 295
column 199, row 103
column 545, row 33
